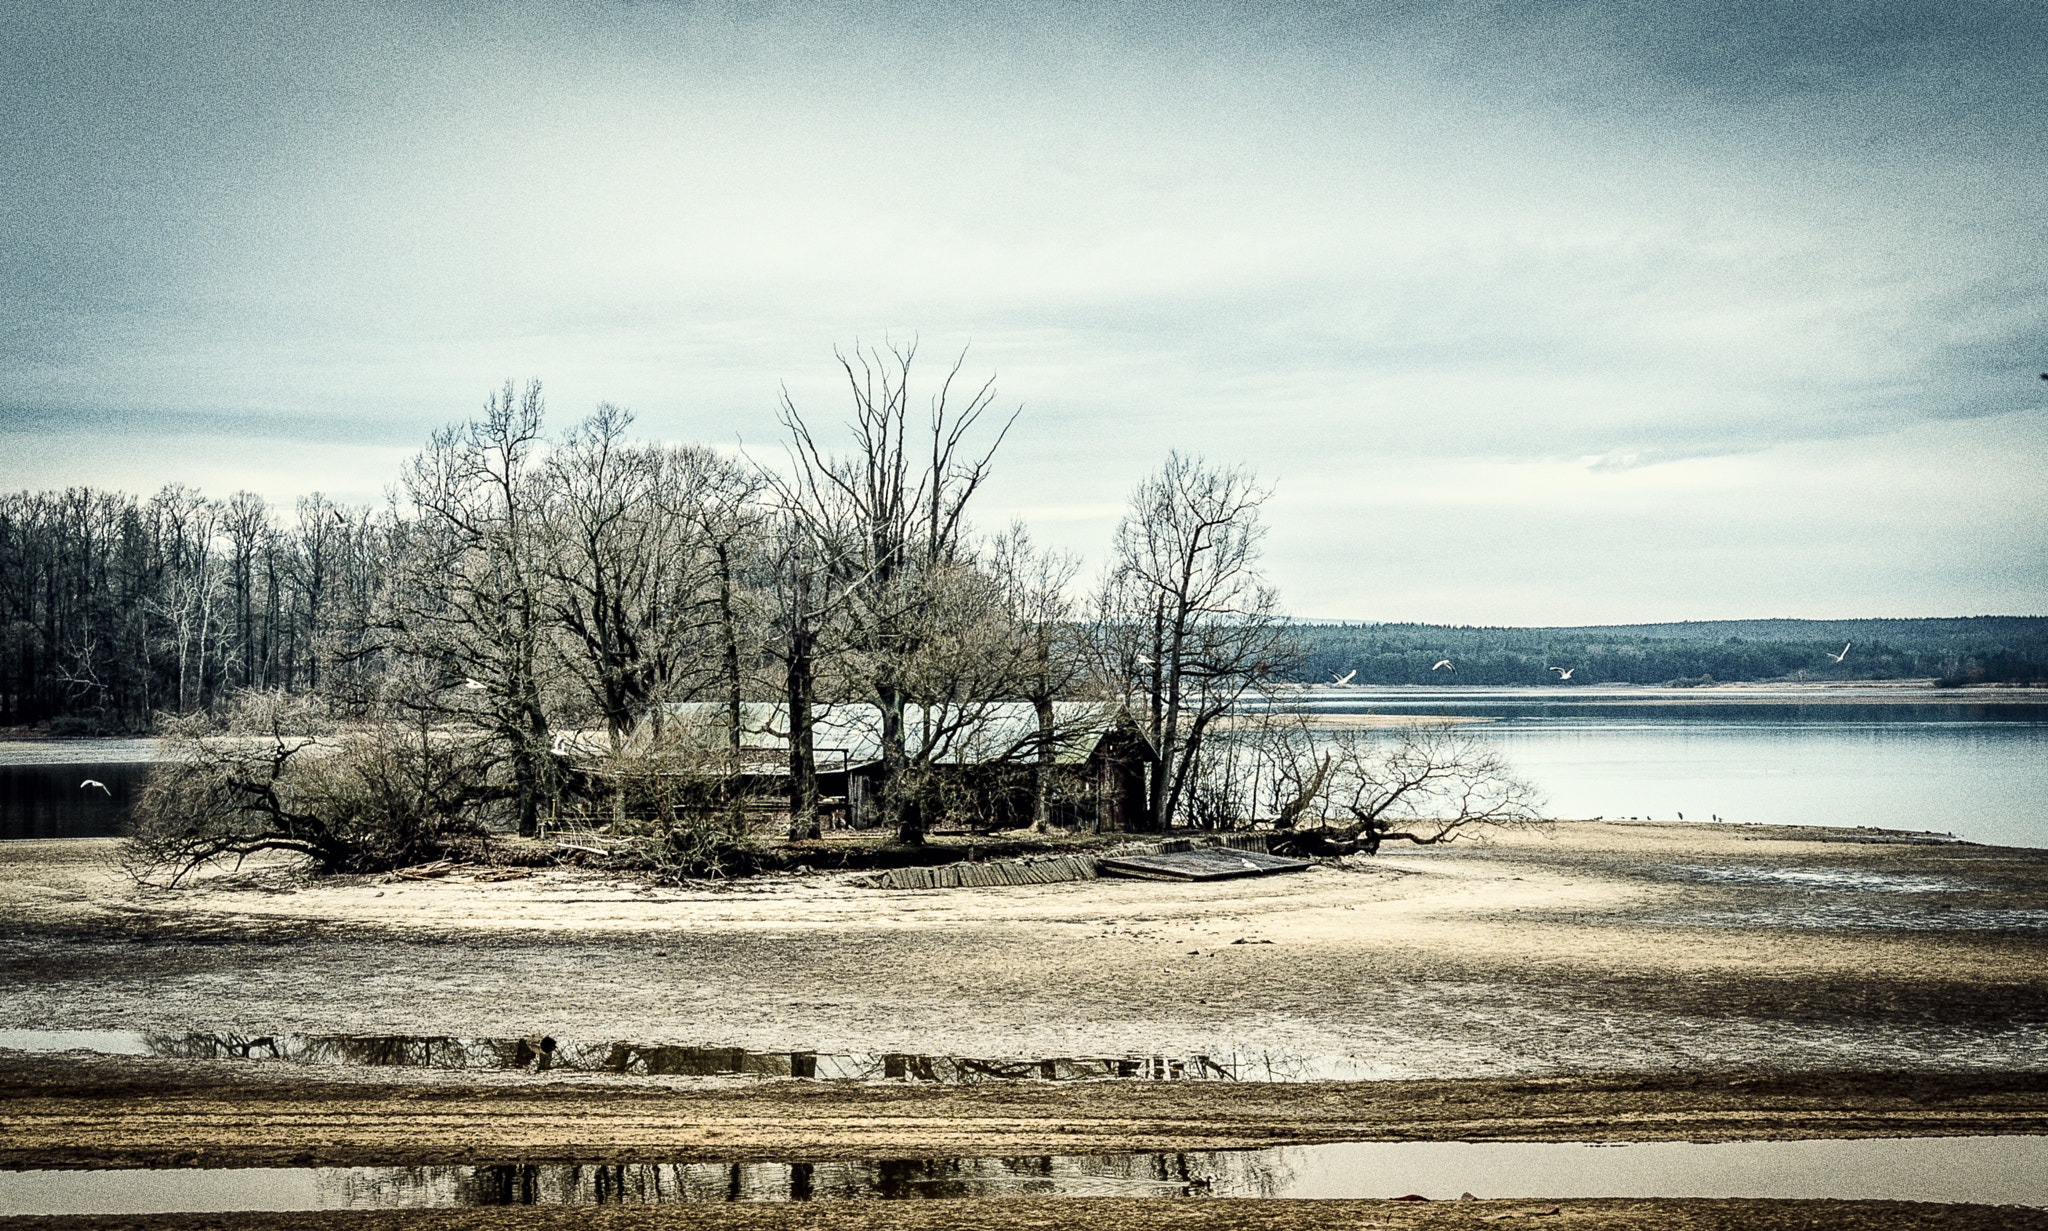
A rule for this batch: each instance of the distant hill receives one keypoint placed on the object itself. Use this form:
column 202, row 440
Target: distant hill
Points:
column 1962, row 650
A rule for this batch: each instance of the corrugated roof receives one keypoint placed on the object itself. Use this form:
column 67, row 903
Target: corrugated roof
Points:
column 958, row 735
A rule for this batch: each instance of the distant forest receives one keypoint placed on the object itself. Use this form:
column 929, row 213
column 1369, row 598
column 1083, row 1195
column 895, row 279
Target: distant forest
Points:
column 1954, row 652
column 114, row 609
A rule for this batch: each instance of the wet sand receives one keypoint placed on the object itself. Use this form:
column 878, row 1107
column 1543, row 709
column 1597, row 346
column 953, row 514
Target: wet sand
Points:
column 1609, row 947
column 1614, row 981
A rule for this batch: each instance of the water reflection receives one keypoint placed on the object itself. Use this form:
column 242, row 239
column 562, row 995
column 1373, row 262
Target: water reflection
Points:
column 541, row 1053
column 1218, row 1173
column 1982, row 1170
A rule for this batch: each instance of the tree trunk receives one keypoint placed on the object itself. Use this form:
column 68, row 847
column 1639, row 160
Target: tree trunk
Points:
column 803, row 760
column 898, row 812
column 1042, row 767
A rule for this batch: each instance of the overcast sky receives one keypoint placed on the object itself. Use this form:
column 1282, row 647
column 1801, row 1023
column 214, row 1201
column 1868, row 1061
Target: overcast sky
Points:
column 1531, row 312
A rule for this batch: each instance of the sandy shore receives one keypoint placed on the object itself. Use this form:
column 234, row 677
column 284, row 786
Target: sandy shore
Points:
column 1605, row 947
column 1610, row 981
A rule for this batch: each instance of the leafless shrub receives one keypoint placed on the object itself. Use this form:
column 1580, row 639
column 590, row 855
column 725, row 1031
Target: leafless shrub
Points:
column 277, row 776
column 1426, row 784
column 1346, row 791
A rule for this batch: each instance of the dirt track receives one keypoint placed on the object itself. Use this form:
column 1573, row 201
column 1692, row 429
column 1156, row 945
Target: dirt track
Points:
column 62, row 1113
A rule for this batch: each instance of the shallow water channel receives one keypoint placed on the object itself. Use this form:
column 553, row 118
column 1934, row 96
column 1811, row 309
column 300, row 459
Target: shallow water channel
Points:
column 542, row 1053
column 1984, row 1170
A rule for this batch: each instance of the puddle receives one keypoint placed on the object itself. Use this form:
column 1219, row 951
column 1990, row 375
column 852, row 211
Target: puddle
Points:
column 1985, row 1170
column 1834, row 899
column 545, row 1054
column 1848, row 880
column 1845, row 916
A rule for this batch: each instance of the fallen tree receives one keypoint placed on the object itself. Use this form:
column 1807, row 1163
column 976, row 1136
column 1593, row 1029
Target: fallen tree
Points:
column 1346, row 792
column 275, row 775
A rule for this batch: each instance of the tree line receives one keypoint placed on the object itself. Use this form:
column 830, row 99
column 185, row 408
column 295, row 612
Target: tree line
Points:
column 1985, row 649
column 114, row 609
column 560, row 597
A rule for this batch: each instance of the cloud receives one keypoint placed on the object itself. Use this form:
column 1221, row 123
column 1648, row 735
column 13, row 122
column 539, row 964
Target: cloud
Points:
column 1329, row 240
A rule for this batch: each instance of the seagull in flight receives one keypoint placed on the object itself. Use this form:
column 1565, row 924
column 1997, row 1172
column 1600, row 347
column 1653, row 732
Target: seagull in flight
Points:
column 1442, row 663
column 95, row 782
column 1562, row 674
column 1845, row 651
column 1337, row 683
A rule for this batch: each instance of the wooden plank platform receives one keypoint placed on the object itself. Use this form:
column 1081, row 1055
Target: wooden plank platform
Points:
column 1204, row 864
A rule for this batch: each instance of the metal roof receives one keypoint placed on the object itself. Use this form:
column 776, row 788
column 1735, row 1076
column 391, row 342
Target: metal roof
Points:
column 956, row 734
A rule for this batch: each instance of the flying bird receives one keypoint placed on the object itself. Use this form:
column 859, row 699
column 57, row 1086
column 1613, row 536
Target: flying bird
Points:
column 1845, row 651
column 473, row 685
column 1562, row 674
column 1443, row 662
column 1337, row 683
column 95, row 782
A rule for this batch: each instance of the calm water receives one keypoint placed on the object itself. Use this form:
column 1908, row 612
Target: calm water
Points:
column 548, row 1054
column 42, row 791
column 1979, row 771
column 1989, row 1170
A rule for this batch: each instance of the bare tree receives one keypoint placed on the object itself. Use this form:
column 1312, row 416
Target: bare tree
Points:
column 889, row 522
column 469, row 590
column 800, row 606
column 1032, row 587
column 246, row 522
column 192, row 599
column 1186, row 625
column 732, row 540
column 645, row 559
column 312, row 568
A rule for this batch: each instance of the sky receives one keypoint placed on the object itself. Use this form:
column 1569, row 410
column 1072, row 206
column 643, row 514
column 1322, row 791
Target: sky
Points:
column 1528, row 312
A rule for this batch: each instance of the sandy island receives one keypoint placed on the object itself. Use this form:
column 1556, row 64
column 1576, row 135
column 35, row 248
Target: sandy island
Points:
column 1612, row 981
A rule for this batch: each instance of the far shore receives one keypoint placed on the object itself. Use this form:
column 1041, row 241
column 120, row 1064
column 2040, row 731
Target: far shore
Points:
column 21, row 743
column 1759, row 692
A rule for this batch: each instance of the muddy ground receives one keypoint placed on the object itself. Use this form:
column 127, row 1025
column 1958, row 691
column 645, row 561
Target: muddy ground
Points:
column 1611, row 947
column 1124, row 1215
column 70, row 1112
column 1612, row 981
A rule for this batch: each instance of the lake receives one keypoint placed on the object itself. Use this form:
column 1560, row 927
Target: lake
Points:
column 1921, row 760
column 42, row 791
column 1914, row 759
